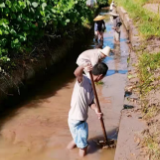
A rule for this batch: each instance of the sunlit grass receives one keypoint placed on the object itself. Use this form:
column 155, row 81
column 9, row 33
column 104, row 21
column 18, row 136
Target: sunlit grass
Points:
column 100, row 83
column 149, row 73
column 150, row 112
column 151, row 141
column 147, row 21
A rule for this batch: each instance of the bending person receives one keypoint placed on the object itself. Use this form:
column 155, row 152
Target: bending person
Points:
column 92, row 56
column 116, row 26
column 99, row 27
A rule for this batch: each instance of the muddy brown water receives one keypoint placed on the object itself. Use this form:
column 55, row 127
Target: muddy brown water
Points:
column 38, row 130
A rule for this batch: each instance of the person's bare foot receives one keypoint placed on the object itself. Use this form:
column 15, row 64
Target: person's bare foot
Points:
column 71, row 145
column 83, row 152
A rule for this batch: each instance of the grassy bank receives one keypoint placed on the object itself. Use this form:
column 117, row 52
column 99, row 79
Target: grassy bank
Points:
column 147, row 22
column 149, row 75
column 148, row 71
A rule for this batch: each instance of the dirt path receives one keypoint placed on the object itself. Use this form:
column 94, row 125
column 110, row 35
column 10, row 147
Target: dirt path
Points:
column 155, row 7
column 38, row 130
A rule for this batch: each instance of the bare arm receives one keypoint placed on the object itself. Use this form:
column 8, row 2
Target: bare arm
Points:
column 95, row 108
column 79, row 73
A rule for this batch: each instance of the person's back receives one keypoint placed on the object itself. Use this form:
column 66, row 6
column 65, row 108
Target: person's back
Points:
column 82, row 96
column 91, row 55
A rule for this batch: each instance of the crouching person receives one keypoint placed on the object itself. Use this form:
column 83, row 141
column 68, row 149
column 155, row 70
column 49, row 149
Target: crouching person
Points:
column 82, row 99
column 93, row 56
column 116, row 26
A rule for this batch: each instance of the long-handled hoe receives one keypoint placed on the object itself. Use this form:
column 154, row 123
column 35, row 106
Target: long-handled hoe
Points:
column 106, row 143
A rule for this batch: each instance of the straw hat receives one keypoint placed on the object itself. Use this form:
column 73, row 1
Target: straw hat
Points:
column 113, row 14
column 106, row 51
column 99, row 17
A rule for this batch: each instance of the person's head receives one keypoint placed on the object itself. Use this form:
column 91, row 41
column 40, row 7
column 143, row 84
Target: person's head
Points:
column 99, row 71
column 104, row 53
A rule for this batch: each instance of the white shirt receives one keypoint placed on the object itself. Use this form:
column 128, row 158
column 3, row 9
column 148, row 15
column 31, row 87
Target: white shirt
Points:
column 91, row 55
column 82, row 97
column 111, row 6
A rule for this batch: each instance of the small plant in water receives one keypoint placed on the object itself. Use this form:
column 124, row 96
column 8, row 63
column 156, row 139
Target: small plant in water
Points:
column 100, row 83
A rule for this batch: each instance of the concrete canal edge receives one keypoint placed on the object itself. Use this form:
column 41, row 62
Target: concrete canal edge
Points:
column 130, row 122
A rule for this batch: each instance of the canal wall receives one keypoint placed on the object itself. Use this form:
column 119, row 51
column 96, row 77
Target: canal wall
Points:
column 130, row 122
column 50, row 60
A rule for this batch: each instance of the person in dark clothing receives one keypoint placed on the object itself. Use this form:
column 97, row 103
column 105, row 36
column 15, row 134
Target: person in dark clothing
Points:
column 99, row 27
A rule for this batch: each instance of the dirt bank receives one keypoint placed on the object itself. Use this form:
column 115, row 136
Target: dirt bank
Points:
column 138, row 133
column 48, row 57
column 153, row 7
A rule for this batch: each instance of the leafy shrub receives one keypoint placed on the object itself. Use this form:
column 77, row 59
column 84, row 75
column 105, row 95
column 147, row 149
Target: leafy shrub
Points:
column 103, row 2
column 23, row 22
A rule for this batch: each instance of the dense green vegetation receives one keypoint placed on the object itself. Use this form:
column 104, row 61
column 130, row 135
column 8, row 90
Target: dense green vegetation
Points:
column 24, row 22
column 147, row 22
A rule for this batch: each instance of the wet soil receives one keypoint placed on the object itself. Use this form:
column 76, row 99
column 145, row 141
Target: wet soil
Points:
column 38, row 130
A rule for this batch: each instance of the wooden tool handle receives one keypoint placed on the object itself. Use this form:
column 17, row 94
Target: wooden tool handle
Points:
column 99, row 109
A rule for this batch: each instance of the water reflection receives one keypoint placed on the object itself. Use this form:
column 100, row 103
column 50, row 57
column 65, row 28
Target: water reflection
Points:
column 111, row 72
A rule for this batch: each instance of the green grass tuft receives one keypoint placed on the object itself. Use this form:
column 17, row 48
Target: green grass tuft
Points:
column 100, row 83
column 151, row 141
